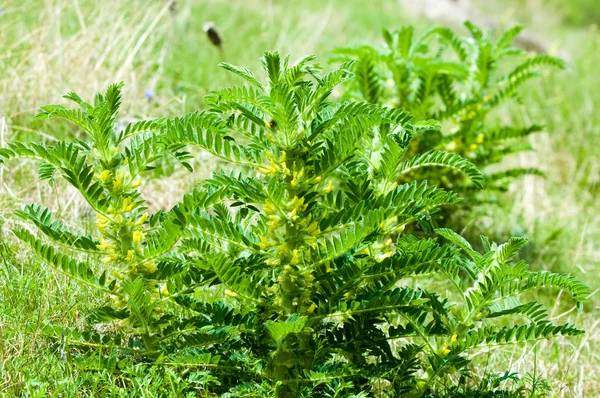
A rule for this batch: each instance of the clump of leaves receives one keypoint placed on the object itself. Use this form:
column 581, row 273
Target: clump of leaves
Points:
column 289, row 273
column 458, row 81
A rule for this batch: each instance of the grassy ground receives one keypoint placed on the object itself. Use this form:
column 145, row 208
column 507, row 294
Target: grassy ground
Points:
column 50, row 47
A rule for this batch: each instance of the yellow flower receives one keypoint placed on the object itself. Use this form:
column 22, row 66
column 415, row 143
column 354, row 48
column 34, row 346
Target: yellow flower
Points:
column 117, row 274
column 271, row 170
column 230, row 293
column 264, row 242
column 136, row 237
column 129, row 256
column 445, row 350
column 292, row 215
column 329, row 187
column 136, row 184
column 282, row 248
column 294, row 181
column 305, row 221
column 473, row 147
column 273, row 222
column 101, row 220
column 142, row 219
column 388, row 223
column 148, row 267
column 298, row 204
column 164, row 291
column 118, row 183
column 126, row 203
column 273, row 261
column 385, row 255
column 479, row 139
column 297, row 177
column 264, row 170
column 105, row 175
column 295, row 260
column 269, row 207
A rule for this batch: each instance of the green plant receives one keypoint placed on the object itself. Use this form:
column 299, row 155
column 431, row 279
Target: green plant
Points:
column 289, row 273
column 459, row 81
column 577, row 13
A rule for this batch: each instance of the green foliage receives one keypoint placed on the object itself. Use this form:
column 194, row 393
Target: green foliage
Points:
column 459, row 81
column 289, row 271
column 578, row 12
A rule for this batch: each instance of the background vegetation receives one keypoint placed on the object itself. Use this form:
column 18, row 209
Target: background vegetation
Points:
column 48, row 47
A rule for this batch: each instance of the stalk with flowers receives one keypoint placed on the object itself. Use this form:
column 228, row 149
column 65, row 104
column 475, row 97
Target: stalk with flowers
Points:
column 108, row 171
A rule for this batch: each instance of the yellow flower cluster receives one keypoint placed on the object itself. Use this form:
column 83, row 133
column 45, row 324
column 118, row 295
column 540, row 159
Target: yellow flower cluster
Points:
column 297, row 176
column 120, row 181
column 275, row 165
column 122, row 228
column 470, row 112
column 454, row 146
column 446, row 347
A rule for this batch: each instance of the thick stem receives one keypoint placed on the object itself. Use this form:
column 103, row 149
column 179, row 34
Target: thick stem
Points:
column 151, row 345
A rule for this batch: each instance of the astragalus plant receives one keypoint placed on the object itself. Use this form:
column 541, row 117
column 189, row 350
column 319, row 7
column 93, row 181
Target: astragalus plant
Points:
column 464, row 82
column 289, row 271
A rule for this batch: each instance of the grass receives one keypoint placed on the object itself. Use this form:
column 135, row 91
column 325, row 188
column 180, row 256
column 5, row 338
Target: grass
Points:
column 49, row 47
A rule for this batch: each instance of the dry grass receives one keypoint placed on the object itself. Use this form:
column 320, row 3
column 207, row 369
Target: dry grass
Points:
column 46, row 55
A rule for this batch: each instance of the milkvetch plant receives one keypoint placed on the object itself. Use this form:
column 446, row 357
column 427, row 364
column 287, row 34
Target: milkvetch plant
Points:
column 458, row 81
column 107, row 170
column 288, row 272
